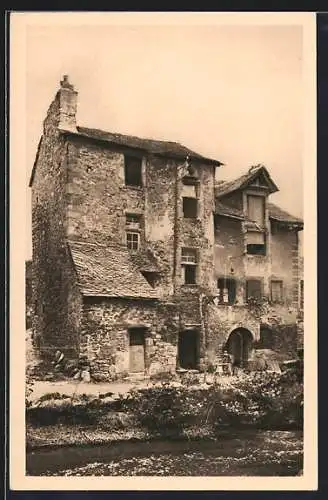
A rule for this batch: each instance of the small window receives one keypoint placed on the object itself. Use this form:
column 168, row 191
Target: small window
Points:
column 189, row 274
column 132, row 219
column 302, row 294
column 189, row 191
column 132, row 240
column 276, row 291
column 255, row 243
column 189, row 265
column 189, row 256
column 189, row 207
column 151, row 277
column 227, row 290
column 256, row 209
column 132, row 169
column 253, row 289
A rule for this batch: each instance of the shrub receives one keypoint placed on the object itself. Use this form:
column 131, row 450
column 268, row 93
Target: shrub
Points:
column 190, row 378
column 261, row 400
column 164, row 377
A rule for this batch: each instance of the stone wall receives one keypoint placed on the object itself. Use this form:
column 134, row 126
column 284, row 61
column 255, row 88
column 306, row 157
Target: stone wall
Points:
column 105, row 337
column 97, row 198
column 222, row 320
column 278, row 323
column 285, row 262
column 54, row 289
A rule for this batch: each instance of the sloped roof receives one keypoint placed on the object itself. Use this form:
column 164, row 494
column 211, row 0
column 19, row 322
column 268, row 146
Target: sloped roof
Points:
column 108, row 271
column 153, row 146
column 227, row 187
column 224, row 210
column 276, row 213
column 145, row 261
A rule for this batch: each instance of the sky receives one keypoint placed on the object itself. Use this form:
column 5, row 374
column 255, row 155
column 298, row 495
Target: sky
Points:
column 230, row 92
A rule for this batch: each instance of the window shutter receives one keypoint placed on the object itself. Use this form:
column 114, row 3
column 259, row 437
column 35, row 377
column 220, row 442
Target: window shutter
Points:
column 254, row 238
column 256, row 209
column 254, row 289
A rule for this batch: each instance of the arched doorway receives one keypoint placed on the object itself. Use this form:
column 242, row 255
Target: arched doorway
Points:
column 239, row 344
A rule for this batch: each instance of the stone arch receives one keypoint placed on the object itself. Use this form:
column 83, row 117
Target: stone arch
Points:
column 239, row 345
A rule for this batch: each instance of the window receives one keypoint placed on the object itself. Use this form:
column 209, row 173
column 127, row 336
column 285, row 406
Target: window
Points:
column 132, row 240
column 255, row 243
column 189, row 255
column 133, row 220
column 253, row 289
column 132, row 170
column 190, row 188
column 189, row 207
column 302, row 294
column 189, row 265
column 227, row 290
column 189, row 275
column 255, row 209
column 276, row 291
column 266, row 338
column 151, row 277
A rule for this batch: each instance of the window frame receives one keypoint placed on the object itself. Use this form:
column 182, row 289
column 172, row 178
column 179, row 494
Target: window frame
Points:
column 190, row 268
column 127, row 175
column 261, row 246
column 127, row 240
column 192, row 258
column 301, row 294
column 258, row 280
column 232, row 293
column 193, row 202
column 133, row 224
column 189, row 262
column 281, row 298
column 263, row 199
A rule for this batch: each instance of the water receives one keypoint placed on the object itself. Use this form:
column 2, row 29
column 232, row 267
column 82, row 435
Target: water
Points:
column 256, row 453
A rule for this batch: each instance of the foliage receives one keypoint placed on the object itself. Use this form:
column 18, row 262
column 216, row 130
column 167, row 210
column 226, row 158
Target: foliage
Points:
column 190, row 379
column 29, row 383
column 164, row 377
column 263, row 400
column 258, row 306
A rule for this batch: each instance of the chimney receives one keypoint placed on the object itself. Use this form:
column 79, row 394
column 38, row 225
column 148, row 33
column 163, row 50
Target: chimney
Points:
column 67, row 98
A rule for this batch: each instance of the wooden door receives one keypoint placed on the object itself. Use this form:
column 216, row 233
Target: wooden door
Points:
column 137, row 350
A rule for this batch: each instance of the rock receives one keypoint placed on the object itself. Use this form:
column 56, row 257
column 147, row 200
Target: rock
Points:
column 85, row 376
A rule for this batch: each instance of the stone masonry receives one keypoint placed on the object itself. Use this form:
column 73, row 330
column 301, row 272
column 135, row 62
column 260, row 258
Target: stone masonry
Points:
column 90, row 291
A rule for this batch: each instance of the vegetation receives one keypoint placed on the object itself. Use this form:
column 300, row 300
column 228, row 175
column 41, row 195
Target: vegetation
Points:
column 262, row 401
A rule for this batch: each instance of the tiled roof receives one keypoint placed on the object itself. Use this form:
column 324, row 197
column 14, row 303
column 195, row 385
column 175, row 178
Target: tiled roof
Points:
column 108, row 271
column 221, row 209
column 276, row 213
column 145, row 261
column 226, row 187
column 157, row 147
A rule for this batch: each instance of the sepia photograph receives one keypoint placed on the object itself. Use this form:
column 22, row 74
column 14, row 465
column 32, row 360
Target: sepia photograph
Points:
column 159, row 217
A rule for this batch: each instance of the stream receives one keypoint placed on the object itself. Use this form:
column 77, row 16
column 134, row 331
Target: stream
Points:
column 243, row 453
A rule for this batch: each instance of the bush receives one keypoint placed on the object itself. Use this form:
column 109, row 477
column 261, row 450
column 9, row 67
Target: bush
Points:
column 267, row 400
column 190, row 379
column 164, row 377
column 263, row 400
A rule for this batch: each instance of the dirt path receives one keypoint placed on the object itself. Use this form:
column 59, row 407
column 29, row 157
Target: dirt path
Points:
column 71, row 388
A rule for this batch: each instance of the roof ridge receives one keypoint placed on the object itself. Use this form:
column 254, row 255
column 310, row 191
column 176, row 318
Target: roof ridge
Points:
column 166, row 141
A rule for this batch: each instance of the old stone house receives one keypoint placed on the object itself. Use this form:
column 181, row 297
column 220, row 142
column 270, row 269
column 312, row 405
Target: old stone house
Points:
column 142, row 263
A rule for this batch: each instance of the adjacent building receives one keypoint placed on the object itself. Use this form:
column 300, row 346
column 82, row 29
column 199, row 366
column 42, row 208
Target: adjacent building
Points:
column 143, row 263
